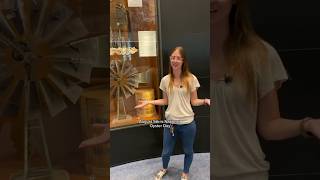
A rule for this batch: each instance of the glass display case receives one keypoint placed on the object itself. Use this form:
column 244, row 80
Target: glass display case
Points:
column 134, row 61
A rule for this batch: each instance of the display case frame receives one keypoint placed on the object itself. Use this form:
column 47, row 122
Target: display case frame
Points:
column 130, row 49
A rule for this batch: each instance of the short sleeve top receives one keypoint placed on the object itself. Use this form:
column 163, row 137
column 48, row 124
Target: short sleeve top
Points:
column 179, row 110
column 235, row 144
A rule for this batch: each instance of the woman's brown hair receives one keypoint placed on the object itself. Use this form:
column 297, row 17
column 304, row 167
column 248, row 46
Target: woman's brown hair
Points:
column 243, row 48
column 185, row 73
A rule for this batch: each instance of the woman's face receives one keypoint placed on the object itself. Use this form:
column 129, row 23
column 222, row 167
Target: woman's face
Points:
column 176, row 60
column 220, row 10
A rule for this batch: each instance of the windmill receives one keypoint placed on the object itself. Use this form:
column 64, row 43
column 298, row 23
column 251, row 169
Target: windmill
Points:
column 45, row 53
column 123, row 83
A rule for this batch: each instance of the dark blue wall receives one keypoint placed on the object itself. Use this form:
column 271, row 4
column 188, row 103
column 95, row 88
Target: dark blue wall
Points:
column 187, row 23
column 292, row 27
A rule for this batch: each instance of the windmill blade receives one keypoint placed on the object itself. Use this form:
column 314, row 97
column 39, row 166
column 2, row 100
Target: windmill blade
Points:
column 113, row 70
column 88, row 47
column 25, row 8
column 83, row 71
column 117, row 66
column 43, row 17
column 112, row 75
column 5, row 41
column 133, row 83
column 71, row 59
column 128, row 70
column 135, row 76
column 70, row 89
column 113, row 91
column 122, row 91
column 131, row 90
column 112, row 83
column 123, row 66
column 53, row 100
column 66, row 52
column 83, row 52
column 56, row 21
column 73, row 30
column 7, row 94
column 9, row 43
column 7, row 25
column 126, row 93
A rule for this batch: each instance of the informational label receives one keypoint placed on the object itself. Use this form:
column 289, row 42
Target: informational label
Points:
column 134, row 3
column 147, row 43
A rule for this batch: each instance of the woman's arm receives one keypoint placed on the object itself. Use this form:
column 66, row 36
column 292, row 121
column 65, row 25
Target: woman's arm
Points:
column 272, row 127
column 198, row 102
column 101, row 139
column 159, row 102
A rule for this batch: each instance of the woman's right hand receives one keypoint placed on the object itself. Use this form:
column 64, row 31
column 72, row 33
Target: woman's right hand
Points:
column 141, row 104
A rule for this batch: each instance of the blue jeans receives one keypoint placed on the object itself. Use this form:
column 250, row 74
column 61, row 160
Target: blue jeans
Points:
column 187, row 135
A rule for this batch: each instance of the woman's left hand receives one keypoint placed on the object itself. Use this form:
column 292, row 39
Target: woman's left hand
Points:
column 207, row 102
column 313, row 126
column 101, row 139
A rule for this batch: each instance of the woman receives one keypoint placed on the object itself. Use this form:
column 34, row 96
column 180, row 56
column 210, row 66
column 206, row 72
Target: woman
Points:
column 247, row 73
column 179, row 89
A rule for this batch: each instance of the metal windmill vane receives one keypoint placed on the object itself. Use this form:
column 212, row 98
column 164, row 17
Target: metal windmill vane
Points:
column 45, row 53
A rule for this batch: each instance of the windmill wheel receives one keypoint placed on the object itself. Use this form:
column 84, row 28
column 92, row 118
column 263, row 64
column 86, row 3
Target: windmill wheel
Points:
column 44, row 41
column 124, row 82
